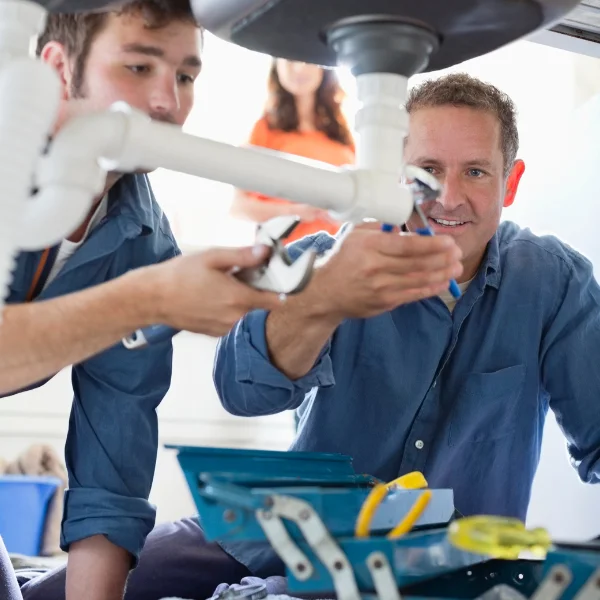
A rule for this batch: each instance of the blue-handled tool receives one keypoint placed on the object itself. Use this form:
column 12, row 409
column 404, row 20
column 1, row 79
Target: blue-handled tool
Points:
column 453, row 289
column 427, row 188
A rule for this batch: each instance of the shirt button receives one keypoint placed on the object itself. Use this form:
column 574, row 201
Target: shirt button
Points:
column 434, row 383
column 419, row 444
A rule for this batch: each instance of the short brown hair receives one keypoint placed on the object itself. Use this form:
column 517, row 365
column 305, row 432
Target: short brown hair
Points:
column 460, row 89
column 76, row 32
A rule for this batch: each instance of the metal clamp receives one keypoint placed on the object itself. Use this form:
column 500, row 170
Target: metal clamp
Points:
column 554, row 584
column 591, row 589
column 318, row 538
column 383, row 577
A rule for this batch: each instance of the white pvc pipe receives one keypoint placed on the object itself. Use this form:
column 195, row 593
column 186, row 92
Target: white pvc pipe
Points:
column 126, row 140
column 28, row 103
column 381, row 129
column 20, row 22
column 350, row 194
column 70, row 177
column 381, row 122
column 150, row 145
column 29, row 98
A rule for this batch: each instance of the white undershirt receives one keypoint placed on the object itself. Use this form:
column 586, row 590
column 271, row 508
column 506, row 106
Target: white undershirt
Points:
column 67, row 248
column 449, row 300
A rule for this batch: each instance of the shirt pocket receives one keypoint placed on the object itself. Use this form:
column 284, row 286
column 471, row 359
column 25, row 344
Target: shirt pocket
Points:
column 485, row 408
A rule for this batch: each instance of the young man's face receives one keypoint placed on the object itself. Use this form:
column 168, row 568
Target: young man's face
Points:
column 152, row 70
column 461, row 147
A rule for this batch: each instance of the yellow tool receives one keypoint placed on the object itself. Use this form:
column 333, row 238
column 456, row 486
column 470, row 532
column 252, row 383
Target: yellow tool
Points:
column 499, row 537
column 410, row 481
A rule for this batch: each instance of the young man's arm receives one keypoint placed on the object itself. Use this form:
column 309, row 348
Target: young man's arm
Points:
column 98, row 570
column 110, row 456
column 38, row 340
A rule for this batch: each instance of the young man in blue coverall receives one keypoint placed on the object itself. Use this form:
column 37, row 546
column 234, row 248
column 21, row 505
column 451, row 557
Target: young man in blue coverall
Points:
column 103, row 282
column 386, row 367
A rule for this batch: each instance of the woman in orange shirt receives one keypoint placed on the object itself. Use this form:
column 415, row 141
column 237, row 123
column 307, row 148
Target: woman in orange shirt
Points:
column 303, row 117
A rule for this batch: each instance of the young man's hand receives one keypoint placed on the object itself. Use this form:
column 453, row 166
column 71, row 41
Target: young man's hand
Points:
column 200, row 293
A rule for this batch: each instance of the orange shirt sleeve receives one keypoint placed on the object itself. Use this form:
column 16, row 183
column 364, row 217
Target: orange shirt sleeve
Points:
column 260, row 134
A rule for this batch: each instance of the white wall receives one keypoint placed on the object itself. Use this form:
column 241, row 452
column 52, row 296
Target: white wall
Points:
column 548, row 86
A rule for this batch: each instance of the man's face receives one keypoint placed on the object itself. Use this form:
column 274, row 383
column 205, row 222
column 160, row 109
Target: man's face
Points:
column 152, row 70
column 461, row 147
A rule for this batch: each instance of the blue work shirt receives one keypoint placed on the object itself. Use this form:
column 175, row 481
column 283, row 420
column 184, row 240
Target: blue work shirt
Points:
column 461, row 396
column 112, row 440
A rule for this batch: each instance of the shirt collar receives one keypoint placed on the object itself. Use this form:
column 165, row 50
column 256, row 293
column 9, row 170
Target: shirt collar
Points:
column 131, row 198
column 490, row 271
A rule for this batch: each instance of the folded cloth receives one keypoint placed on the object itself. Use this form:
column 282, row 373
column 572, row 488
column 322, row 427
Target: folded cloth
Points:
column 42, row 460
column 263, row 587
column 256, row 588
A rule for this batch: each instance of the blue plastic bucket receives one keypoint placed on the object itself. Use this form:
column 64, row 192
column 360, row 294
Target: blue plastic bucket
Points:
column 24, row 504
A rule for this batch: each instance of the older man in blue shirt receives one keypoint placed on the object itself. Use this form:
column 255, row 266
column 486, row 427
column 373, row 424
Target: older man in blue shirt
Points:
column 384, row 366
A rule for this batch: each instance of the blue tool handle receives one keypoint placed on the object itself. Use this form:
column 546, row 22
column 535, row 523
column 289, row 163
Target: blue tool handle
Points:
column 149, row 336
column 454, row 289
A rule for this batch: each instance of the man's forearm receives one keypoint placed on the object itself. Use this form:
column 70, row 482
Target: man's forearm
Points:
column 38, row 340
column 296, row 334
column 97, row 570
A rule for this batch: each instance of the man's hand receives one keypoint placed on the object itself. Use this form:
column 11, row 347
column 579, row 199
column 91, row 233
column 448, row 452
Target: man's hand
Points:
column 372, row 272
column 200, row 293
column 375, row 272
